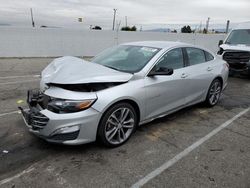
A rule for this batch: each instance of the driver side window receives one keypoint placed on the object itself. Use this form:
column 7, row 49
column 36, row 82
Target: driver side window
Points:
column 172, row 59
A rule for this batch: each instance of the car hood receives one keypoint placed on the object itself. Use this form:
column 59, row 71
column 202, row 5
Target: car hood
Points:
column 72, row 70
column 239, row 47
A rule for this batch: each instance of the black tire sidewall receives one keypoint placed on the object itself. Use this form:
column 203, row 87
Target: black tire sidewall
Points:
column 101, row 128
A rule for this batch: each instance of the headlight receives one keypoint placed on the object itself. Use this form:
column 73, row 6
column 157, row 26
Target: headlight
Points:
column 68, row 106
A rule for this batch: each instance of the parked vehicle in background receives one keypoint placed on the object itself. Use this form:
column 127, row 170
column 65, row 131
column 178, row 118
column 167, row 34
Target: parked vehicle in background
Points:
column 124, row 86
column 235, row 50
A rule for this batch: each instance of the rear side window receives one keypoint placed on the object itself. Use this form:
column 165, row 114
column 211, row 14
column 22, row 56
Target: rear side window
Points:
column 209, row 57
column 195, row 56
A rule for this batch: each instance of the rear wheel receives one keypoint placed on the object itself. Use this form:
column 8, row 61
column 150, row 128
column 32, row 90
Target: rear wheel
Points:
column 117, row 124
column 214, row 93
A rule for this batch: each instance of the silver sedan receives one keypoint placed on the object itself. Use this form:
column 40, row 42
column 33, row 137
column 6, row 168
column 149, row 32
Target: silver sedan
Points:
column 123, row 87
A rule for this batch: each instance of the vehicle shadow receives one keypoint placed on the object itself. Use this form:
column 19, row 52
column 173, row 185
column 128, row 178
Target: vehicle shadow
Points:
column 170, row 117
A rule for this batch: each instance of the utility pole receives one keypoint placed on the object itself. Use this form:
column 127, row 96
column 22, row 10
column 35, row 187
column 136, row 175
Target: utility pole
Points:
column 227, row 28
column 126, row 21
column 32, row 20
column 207, row 25
column 114, row 19
column 200, row 28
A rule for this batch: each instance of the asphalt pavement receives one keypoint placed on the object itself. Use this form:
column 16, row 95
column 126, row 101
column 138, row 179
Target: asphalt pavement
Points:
column 184, row 149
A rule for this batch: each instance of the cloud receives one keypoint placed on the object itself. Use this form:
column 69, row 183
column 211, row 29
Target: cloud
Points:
column 146, row 13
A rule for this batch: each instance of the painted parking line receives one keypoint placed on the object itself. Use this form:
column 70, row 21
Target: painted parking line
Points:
column 185, row 152
column 19, row 82
column 9, row 113
column 7, row 180
column 24, row 76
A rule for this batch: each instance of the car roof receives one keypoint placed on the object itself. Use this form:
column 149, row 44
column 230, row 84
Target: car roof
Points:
column 158, row 44
column 165, row 45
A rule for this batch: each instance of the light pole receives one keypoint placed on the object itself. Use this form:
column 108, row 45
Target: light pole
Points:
column 207, row 25
column 114, row 19
column 32, row 20
column 227, row 28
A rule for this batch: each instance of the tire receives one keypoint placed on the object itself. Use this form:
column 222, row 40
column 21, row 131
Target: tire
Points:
column 214, row 93
column 117, row 124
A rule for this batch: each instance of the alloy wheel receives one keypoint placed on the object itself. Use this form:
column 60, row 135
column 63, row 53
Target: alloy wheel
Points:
column 119, row 125
column 214, row 93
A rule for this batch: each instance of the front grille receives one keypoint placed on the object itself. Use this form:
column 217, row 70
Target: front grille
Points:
column 236, row 57
column 37, row 120
column 237, row 60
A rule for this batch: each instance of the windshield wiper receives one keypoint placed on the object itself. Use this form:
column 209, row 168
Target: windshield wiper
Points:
column 118, row 69
column 112, row 67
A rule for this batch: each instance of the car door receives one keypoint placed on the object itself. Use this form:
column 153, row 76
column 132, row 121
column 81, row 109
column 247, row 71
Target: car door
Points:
column 198, row 74
column 165, row 93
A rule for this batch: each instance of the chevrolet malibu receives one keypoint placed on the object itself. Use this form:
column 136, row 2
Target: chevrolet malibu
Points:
column 123, row 87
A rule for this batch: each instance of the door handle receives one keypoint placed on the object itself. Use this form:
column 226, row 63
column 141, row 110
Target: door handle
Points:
column 184, row 75
column 209, row 68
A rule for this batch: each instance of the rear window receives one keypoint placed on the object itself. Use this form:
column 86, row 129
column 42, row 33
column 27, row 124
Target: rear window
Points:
column 209, row 57
column 195, row 56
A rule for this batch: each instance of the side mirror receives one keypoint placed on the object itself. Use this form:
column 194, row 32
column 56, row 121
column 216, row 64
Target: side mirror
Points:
column 161, row 71
column 220, row 42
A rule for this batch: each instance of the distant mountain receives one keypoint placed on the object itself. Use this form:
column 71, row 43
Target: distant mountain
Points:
column 159, row 30
column 220, row 30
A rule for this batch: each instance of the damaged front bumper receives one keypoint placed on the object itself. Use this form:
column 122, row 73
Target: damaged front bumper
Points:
column 239, row 62
column 242, row 71
column 70, row 128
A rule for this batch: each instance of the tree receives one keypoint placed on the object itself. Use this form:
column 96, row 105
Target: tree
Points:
column 204, row 31
column 186, row 29
column 133, row 28
column 189, row 30
column 97, row 28
column 127, row 28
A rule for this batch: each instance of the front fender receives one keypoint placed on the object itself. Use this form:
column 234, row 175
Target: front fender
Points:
column 132, row 90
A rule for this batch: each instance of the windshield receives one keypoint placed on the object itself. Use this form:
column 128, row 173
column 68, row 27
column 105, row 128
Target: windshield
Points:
column 126, row 58
column 241, row 36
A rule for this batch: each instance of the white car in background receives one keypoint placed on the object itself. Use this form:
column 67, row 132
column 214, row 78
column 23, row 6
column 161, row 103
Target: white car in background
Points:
column 235, row 49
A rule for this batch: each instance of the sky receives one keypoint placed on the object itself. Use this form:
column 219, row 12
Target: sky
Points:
column 148, row 14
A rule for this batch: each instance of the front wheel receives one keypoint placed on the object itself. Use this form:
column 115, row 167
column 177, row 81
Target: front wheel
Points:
column 214, row 93
column 117, row 124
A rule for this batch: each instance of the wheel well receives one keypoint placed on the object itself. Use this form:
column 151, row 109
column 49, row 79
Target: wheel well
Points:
column 133, row 103
column 220, row 79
